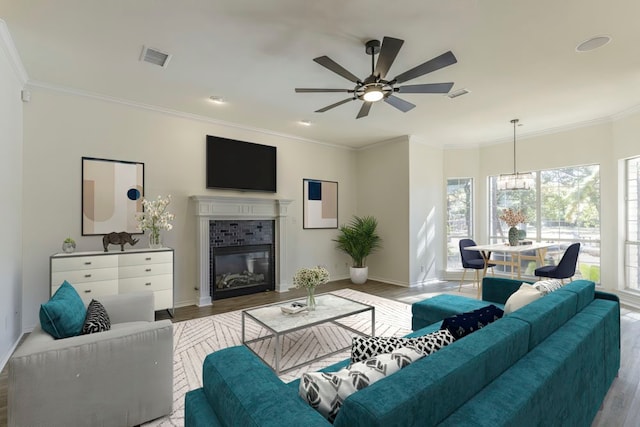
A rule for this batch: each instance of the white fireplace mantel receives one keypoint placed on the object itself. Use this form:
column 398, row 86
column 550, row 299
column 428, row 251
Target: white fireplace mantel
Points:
column 211, row 208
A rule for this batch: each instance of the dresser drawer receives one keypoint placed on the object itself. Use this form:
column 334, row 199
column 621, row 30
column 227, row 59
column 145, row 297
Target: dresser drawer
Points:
column 90, row 290
column 142, row 284
column 144, row 270
column 83, row 263
column 82, row 276
column 146, row 258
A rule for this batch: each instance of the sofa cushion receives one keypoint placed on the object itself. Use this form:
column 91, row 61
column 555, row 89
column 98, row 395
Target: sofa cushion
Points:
column 428, row 390
column 435, row 309
column 63, row 315
column 547, row 314
column 463, row 324
column 326, row 391
column 364, row 347
column 96, row 320
column 523, row 296
column 584, row 289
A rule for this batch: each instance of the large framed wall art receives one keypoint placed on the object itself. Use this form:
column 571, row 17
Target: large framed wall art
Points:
column 112, row 192
column 320, row 204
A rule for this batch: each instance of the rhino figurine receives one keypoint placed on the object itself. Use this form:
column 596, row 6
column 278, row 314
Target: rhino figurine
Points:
column 120, row 238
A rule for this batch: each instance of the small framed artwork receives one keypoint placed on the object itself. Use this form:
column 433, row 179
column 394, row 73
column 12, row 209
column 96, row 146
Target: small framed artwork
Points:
column 320, row 204
column 112, row 192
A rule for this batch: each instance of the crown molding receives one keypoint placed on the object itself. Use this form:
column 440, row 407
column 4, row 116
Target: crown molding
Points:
column 175, row 113
column 6, row 42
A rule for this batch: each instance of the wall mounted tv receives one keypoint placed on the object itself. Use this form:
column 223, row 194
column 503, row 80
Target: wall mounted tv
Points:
column 240, row 165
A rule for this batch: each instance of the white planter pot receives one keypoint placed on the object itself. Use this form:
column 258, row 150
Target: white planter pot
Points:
column 359, row 275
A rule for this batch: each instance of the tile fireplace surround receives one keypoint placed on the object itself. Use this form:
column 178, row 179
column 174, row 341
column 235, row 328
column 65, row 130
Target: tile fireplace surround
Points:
column 211, row 208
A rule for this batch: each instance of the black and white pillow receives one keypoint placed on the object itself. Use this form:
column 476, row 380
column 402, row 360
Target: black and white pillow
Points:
column 548, row 286
column 363, row 348
column 97, row 319
column 326, row 391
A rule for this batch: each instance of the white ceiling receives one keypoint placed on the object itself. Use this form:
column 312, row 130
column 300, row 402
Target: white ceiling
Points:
column 516, row 57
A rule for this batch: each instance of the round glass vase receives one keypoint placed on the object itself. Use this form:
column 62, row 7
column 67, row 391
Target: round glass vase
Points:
column 311, row 299
column 155, row 239
column 514, row 236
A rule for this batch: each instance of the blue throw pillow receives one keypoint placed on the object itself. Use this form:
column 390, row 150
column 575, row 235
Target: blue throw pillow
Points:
column 63, row 316
column 463, row 324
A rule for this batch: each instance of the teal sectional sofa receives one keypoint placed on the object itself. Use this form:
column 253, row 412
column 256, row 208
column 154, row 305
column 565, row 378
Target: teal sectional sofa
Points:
column 549, row 363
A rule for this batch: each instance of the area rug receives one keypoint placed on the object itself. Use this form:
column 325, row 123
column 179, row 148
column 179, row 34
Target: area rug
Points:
column 194, row 339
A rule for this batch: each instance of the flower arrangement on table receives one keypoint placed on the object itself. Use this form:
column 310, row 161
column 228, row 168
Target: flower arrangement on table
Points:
column 155, row 218
column 309, row 279
column 513, row 217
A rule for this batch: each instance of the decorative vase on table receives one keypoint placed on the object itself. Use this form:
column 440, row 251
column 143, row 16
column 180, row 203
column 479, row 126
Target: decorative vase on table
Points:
column 513, row 236
column 155, row 239
column 311, row 299
column 309, row 278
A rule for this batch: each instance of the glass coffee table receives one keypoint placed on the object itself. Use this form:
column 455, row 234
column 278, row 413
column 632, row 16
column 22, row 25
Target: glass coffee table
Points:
column 329, row 309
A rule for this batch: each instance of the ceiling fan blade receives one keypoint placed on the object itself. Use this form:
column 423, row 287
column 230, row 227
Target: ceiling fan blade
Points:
column 427, row 88
column 444, row 60
column 364, row 110
column 309, row 90
column 329, row 63
column 329, row 107
column 388, row 52
column 399, row 103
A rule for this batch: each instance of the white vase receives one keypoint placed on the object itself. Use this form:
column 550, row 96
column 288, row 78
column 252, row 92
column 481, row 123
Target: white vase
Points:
column 358, row 275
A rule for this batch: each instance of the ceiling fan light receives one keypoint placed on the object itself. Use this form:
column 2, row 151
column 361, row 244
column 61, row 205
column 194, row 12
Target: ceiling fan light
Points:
column 373, row 94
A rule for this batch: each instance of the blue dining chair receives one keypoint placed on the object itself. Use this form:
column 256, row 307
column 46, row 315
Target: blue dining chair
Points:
column 565, row 269
column 471, row 259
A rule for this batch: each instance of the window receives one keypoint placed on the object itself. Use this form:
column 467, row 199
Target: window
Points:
column 563, row 207
column 632, row 238
column 459, row 218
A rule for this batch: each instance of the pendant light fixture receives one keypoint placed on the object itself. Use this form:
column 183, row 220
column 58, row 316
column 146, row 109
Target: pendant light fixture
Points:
column 515, row 181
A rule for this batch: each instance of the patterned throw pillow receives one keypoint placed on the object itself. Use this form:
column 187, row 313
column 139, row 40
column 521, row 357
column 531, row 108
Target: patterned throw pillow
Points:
column 326, row 391
column 463, row 324
column 548, row 286
column 363, row 348
column 97, row 319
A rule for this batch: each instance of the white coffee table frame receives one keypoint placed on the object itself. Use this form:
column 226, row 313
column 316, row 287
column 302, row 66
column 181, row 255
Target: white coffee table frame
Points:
column 329, row 309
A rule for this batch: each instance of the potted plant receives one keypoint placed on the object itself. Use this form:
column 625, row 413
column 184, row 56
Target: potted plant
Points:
column 358, row 239
column 68, row 245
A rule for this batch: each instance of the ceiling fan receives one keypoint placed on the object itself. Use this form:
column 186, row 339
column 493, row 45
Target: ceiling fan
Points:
column 375, row 88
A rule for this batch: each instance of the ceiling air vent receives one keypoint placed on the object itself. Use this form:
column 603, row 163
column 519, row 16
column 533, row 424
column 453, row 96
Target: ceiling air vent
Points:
column 154, row 56
column 457, row 93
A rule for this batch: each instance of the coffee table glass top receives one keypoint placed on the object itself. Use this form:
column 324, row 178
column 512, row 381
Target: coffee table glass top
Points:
column 328, row 307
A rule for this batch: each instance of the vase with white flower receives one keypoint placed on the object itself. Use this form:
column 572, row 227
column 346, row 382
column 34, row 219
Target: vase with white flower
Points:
column 154, row 218
column 309, row 279
column 512, row 218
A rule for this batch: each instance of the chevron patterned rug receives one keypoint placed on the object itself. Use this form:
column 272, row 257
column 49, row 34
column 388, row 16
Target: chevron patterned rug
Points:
column 195, row 339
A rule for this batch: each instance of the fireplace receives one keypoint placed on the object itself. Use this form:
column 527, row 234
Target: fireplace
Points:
column 224, row 211
column 241, row 270
column 242, row 257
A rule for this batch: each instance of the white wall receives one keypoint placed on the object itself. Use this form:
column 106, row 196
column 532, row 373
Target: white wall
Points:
column 426, row 237
column 60, row 128
column 383, row 192
column 11, row 196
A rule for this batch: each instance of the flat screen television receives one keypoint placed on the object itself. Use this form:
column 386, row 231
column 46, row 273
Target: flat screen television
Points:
column 240, row 165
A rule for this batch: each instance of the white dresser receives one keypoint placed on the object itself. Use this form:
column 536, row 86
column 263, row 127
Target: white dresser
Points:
column 94, row 274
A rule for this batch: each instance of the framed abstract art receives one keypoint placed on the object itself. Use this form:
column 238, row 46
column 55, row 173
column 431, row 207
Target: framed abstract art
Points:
column 320, row 204
column 112, row 192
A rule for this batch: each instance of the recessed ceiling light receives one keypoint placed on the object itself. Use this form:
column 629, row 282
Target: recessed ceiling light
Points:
column 217, row 99
column 305, row 122
column 593, row 43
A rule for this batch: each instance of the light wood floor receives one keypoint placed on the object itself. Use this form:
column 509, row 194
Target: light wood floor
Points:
column 621, row 407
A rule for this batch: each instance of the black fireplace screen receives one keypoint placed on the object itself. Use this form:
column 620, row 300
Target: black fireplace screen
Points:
column 240, row 270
